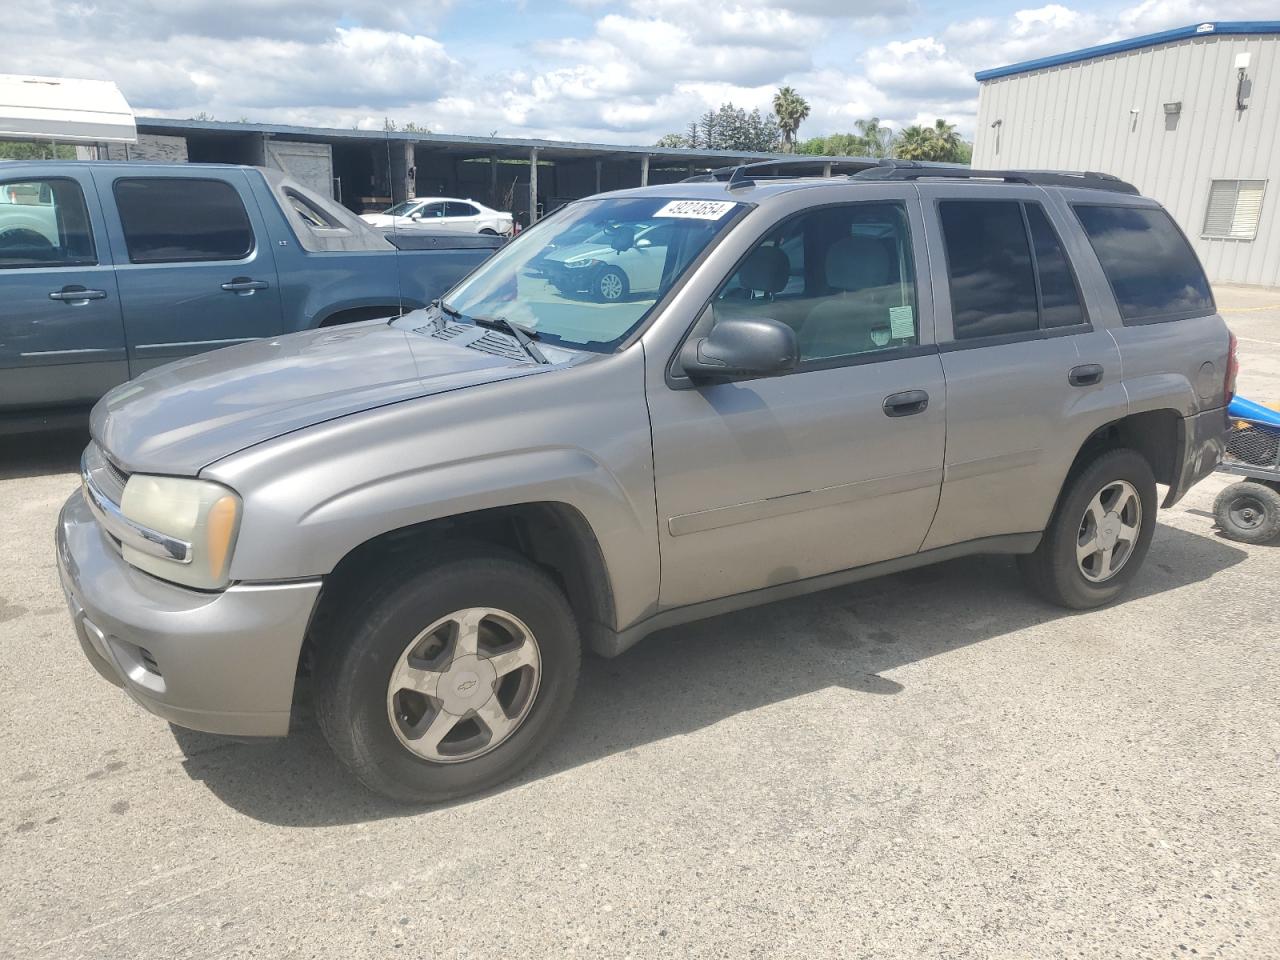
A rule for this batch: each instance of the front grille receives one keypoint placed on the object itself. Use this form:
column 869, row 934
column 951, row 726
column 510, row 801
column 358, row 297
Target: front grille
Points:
column 109, row 478
column 1253, row 445
column 118, row 475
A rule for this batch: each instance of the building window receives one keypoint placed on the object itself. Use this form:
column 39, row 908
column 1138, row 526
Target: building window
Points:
column 1234, row 209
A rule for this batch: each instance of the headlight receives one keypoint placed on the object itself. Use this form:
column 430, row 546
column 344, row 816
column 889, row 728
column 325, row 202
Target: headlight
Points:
column 579, row 264
column 200, row 513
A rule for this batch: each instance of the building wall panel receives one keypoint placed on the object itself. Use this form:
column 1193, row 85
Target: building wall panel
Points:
column 1081, row 116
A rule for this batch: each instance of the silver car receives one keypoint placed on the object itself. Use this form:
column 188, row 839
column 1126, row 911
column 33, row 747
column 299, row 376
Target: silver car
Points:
column 437, row 514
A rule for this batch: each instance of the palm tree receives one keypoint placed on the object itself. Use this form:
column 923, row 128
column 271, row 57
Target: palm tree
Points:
column 915, row 143
column 946, row 141
column 876, row 139
column 791, row 110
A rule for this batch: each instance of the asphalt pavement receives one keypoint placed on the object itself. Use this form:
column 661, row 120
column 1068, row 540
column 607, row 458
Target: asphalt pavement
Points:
column 930, row 765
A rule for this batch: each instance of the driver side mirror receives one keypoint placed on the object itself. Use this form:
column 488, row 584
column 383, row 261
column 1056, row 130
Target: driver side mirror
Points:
column 643, row 243
column 416, row 215
column 741, row 348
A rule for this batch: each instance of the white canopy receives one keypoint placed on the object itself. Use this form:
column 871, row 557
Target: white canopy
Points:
column 57, row 108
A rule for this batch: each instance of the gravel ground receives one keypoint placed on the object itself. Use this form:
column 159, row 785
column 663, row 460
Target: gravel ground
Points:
column 927, row 765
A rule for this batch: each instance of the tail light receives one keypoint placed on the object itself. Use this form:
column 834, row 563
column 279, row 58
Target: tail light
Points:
column 1233, row 368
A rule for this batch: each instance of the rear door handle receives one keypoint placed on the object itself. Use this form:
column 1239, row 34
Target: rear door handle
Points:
column 1085, row 375
column 74, row 294
column 906, row 403
column 244, row 285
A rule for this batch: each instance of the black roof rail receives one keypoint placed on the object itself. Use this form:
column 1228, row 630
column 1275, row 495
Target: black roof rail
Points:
column 916, row 170
column 745, row 174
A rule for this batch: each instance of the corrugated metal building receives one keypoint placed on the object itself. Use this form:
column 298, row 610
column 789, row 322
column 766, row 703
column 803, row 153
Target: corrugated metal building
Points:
column 1190, row 116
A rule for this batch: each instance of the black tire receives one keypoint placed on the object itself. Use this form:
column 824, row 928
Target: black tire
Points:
column 486, row 232
column 1248, row 512
column 357, row 652
column 1052, row 571
column 610, row 285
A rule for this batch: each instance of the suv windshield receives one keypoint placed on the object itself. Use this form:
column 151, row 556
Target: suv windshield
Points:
column 588, row 275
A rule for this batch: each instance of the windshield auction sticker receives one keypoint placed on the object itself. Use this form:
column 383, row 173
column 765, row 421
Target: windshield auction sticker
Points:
column 696, row 209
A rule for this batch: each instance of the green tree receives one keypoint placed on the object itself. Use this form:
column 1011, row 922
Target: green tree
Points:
column 915, row 142
column 672, row 140
column 945, row 140
column 876, row 139
column 791, row 109
column 36, row 150
column 732, row 128
column 938, row 144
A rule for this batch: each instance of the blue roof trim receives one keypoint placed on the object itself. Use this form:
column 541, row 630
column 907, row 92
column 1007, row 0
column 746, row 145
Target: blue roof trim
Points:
column 1135, row 43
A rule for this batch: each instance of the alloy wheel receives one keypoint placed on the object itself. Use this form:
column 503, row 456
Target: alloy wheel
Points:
column 1108, row 531
column 610, row 286
column 464, row 685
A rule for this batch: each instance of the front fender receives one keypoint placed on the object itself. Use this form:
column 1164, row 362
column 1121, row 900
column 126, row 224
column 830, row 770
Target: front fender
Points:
column 313, row 496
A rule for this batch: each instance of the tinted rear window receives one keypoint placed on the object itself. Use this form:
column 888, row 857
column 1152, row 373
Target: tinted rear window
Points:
column 174, row 219
column 1152, row 270
column 993, row 285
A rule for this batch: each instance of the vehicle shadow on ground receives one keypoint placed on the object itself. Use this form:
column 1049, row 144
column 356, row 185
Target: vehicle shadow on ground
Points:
column 687, row 678
column 41, row 454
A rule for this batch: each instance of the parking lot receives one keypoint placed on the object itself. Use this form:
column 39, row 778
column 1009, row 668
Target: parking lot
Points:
column 927, row 765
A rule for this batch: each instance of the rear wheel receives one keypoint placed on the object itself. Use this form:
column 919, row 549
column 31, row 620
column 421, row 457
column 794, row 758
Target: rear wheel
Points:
column 449, row 680
column 1248, row 511
column 1099, row 534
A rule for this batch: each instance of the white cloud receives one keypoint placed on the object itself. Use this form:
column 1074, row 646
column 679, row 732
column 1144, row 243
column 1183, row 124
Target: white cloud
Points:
column 640, row 68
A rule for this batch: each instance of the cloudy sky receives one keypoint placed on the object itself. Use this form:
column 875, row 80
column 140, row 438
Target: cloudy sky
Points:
column 602, row 70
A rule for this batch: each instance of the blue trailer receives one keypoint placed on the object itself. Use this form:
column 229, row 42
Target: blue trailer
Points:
column 1249, row 511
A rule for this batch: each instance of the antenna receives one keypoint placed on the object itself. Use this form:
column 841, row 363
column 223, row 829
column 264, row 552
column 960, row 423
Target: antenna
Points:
column 395, row 229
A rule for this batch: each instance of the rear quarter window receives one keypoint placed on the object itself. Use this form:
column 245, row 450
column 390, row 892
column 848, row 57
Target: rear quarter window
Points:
column 1153, row 272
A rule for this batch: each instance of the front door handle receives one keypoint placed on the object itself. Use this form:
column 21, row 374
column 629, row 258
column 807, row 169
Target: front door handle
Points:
column 244, row 285
column 1085, row 375
column 906, row 403
column 74, row 294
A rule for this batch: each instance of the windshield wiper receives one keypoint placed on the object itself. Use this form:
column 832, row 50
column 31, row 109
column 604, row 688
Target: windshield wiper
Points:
column 524, row 336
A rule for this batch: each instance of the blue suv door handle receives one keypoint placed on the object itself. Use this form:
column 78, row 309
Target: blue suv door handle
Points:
column 244, row 285
column 75, row 293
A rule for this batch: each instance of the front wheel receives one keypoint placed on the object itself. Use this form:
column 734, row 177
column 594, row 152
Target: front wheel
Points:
column 1248, row 511
column 449, row 680
column 610, row 285
column 1099, row 533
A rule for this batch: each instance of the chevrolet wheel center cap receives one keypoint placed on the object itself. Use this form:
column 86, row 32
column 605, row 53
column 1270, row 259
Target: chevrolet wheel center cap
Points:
column 1109, row 530
column 466, row 685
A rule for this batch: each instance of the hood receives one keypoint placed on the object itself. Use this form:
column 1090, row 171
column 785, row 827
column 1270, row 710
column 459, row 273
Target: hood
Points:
column 379, row 219
column 181, row 417
column 583, row 251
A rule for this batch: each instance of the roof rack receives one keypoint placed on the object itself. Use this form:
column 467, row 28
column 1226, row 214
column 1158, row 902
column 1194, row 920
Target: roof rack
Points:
column 915, row 170
column 745, row 174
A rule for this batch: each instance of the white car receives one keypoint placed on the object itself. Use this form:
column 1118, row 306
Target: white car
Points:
column 443, row 213
column 609, row 267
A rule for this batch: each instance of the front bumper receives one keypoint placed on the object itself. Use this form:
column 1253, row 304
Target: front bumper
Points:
column 219, row 662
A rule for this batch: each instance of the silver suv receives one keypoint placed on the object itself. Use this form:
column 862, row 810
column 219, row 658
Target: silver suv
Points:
column 658, row 405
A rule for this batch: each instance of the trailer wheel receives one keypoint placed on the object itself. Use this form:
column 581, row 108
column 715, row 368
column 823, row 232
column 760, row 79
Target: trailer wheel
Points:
column 1248, row 511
